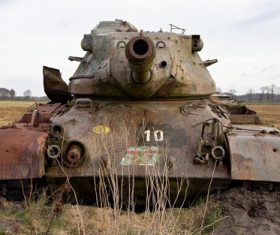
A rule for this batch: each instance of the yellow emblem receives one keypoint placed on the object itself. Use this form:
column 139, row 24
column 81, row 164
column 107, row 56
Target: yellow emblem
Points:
column 101, row 129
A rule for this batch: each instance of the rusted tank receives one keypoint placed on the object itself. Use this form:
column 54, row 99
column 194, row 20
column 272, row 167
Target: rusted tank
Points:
column 137, row 123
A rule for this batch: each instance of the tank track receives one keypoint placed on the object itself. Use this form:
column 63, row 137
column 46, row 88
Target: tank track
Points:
column 19, row 190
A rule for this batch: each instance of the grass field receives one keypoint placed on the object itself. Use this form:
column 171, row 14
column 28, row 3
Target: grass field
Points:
column 11, row 111
column 269, row 113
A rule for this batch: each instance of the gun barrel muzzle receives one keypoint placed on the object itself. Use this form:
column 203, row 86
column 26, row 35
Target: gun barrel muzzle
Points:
column 140, row 52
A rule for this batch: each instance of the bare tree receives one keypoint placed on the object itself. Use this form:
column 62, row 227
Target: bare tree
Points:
column 27, row 94
column 250, row 94
column 263, row 89
column 12, row 93
column 266, row 88
column 272, row 89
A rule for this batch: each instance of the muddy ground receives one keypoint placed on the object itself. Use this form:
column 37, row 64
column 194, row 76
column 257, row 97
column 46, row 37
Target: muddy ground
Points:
column 250, row 212
column 235, row 211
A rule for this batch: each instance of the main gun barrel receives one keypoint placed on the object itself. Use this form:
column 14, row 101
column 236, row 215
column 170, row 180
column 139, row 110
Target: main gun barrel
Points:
column 140, row 52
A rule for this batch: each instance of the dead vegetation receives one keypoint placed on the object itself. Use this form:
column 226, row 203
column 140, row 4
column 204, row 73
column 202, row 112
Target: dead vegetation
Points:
column 236, row 211
column 213, row 214
column 63, row 219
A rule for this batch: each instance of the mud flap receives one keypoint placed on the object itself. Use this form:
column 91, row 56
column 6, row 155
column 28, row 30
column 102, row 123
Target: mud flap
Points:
column 254, row 155
column 21, row 153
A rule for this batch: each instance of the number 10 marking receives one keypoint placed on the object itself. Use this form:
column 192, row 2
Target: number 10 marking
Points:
column 158, row 135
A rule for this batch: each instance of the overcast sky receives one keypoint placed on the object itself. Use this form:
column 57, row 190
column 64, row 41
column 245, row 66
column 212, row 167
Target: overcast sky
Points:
column 244, row 35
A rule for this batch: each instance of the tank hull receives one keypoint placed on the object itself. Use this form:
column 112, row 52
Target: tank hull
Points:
column 157, row 138
column 136, row 148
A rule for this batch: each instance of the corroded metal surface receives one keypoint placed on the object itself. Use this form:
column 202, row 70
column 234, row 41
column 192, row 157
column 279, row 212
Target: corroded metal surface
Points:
column 55, row 88
column 21, row 153
column 22, row 146
column 139, row 138
column 40, row 114
column 255, row 153
column 175, row 71
column 245, row 119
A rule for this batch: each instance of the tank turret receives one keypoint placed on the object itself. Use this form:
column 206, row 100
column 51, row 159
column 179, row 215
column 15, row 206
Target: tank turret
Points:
column 122, row 63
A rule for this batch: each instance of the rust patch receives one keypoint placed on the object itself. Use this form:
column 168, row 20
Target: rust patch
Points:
column 21, row 153
column 243, row 167
column 253, row 157
column 44, row 113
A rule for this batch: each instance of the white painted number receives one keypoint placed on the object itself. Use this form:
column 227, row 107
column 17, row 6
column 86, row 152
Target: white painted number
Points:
column 147, row 135
column 158, row 135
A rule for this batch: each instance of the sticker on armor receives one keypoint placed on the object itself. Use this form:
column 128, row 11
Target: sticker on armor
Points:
column 142, row 156
column 101, row 129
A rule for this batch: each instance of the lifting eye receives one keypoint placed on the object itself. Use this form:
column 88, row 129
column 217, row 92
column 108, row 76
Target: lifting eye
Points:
column 160, row 44
column 53, row 151
column 121, row 44
column 218, row 153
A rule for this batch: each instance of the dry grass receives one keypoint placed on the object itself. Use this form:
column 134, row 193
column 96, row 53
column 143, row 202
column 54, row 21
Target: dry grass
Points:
column 269, row 113
column 14, row 219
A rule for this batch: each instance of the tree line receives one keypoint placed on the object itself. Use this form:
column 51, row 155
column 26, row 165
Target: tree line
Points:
column 267, row 94
column 11, row 94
